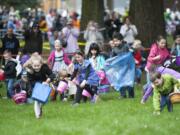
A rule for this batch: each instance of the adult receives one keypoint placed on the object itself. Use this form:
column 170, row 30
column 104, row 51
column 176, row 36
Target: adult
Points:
column 10, row 42
column 129, row 31
column 70, row 34
column 177, row 31
column 112, row 24
column 92, row 35
column 50, row 19
column 33, row 40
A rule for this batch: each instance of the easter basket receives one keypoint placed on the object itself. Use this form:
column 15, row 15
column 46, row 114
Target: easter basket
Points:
column 175, row 97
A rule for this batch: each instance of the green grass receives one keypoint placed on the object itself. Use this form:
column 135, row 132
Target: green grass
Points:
column 110, row 116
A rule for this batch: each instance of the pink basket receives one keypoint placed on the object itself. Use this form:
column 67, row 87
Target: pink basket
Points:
column 62, row 87
column 86, row 93
column 20, row 97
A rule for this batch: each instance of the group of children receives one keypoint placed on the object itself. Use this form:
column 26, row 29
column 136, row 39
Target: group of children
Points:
column 85, row 76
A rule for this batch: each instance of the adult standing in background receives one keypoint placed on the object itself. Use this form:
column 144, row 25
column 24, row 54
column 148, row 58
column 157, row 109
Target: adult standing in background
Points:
column 129, row 31
column 112, row 24
column 33, row 40
column 10, row 42
column 92, row 35
column 70, row 34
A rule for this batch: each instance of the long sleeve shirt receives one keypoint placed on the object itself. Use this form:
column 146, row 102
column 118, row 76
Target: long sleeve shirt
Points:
column 167, row 87
column 129, row 33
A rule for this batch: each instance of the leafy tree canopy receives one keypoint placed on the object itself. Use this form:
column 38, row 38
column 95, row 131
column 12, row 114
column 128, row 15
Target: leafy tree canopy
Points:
column 21, row 4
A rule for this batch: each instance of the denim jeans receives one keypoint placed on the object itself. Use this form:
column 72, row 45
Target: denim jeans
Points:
column 9, row 87
column 166, row 101
column 138, row 72
column 130, row 92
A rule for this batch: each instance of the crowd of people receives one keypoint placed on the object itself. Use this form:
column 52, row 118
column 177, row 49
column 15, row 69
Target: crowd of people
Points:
column 78, row 74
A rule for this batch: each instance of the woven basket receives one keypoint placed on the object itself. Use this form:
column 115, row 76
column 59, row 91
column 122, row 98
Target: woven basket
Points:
column 175, row 97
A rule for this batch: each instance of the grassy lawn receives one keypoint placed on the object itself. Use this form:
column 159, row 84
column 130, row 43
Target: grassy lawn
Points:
column 110, row 116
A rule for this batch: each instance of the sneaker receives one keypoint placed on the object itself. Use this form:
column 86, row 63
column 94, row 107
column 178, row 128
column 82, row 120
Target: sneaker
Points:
column 65, row 100
column 75, row 104
column 38, row 117
column 95, row 99
column 122, row 97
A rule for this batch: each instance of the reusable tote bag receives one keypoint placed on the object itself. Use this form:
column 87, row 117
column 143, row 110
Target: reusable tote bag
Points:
column 41, row 92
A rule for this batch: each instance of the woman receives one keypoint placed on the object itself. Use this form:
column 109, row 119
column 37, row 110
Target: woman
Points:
column 129, row 31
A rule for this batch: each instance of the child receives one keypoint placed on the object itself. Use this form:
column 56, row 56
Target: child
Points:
column 63, row 84
column 86, row 77
column 39, row 72
column 58, row 59
column 175, row 50
column 118, row 46
column 28, row 63
column 10, row 72
column 137, row 58
column 163, row 85
column 24, row 56
column 120, row 49
column 161, row 70
column 97, row 62
column 157, row 56
column 24, row 84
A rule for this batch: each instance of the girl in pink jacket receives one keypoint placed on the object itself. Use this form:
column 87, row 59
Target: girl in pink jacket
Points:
column 157, row 56
column 158, row 53
column 58, row 60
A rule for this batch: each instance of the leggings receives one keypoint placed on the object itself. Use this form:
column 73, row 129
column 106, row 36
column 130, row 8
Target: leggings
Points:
column 91, row 89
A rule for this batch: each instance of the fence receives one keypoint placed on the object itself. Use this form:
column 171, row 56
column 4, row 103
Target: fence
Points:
column 18, row 33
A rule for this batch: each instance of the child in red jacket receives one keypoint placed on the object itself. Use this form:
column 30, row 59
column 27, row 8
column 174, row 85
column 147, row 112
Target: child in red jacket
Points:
column 137, row 47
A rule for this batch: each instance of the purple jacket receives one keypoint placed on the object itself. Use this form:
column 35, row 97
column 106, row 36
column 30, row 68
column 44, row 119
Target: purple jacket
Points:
column 51, row 59
column 92, row 78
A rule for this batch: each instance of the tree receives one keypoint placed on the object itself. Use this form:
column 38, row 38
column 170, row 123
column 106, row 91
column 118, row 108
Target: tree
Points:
column 172, row 4
column 92, row 10
column 148, row 16
column 21, row 4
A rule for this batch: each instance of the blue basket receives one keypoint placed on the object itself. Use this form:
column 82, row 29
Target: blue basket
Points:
column 41, row 92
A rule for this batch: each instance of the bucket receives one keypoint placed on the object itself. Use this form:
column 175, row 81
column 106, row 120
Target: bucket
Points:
column 86, row 93
column 62, row 87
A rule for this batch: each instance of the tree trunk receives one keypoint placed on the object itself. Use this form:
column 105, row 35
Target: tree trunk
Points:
column 110, row 4
column 92, row 10
column 148, row 16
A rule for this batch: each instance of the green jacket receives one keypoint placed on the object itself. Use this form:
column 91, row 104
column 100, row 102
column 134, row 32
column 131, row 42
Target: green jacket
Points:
column 167, row 87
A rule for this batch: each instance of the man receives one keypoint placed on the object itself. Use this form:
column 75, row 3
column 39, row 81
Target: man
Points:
column 10, row 42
